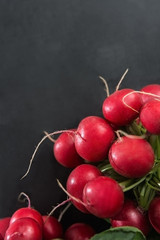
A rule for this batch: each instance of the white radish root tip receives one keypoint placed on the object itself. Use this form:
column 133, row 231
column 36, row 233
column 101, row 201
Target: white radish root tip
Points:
column 48, row 135
column 122, row 78
column 63, row 212
column 106, row 85
column 26, row 198
column 31, row 160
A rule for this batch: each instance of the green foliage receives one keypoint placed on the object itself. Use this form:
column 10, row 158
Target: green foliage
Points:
column 120, row 233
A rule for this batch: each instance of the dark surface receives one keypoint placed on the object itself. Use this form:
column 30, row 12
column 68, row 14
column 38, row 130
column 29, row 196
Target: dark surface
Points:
column 51, row 54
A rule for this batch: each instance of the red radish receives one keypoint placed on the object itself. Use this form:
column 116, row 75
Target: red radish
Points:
column 93, row 138
column 131, row 215
column 131, row 157
column 79, row 231
column 4, row 224
column 64, row 150
column 27, row 212
column 1, row 238
column 154, row 213
column 24, row 229
column 115, row 110
column 150, row 116
column 151, row 88
column 77, row 180
column 52, row 228
column 103, row 197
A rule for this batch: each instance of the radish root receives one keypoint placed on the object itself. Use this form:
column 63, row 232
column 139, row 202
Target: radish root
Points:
column 141, row 92
column 63, row 212
column 106, row 85
column 120, row 81
column 71, row 196
column 26, row 197
column 59, row 205
column 118, row 132
column 48, row 135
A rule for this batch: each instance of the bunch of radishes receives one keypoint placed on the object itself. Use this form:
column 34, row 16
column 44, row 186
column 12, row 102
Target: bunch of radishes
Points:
column 116, row 160
column 116, row 169
column 28, row 224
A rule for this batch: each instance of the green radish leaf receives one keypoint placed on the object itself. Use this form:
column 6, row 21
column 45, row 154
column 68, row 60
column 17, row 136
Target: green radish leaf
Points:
column 120, row 233
column 107, row 220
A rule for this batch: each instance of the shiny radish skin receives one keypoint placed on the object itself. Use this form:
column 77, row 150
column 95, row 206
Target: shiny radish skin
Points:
column 78, row 179
column 24, row 229
column 4, row 224
column 79, row 231
column 150, row 116
column 27, row 212
column 154, row 213
column 151, row 88
column 131, row 157
column 103, row 197
column 64, row 150
column 115, row 110
column 93, row 138
column 131, row 215
column 52, row 228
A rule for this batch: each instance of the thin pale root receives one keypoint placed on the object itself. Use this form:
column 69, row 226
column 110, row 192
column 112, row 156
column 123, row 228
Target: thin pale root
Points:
column 122, row 78
column 71, row 196
column 141, row 92
column 26, row 197
column 38, row 145
column 63, row 212
column 106, row 85
column 56, row 207
column 118, row 132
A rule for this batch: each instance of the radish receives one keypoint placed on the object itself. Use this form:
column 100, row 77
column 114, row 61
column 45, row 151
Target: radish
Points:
column 4, row 224
column 131, row 157
column 93, row 138
column 154, row 213
column 79, row 231
column 24, row 229
column 1, row 238
column 52, row 228
column 131, row 215
column 103, row 197
column 64, row 150
column 151, row 88
column 117, row 112
column 27, row 212
column 150, row 116
column 77, row 180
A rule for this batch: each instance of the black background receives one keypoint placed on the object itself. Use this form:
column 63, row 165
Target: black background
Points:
column 51, row 54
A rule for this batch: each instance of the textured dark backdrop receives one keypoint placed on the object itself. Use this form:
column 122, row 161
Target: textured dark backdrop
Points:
column 51, row 54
